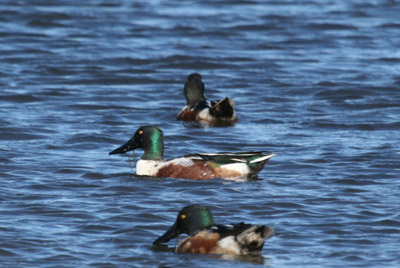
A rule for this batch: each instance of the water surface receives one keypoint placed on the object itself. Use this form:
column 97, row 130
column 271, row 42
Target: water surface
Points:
column 316, row 81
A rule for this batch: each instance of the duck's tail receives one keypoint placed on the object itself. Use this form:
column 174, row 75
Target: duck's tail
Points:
column 224, row 110
column 252, row 240
column 257, row 163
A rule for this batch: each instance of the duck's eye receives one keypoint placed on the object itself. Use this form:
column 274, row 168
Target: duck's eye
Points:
column 140, row 132
column 183, row 216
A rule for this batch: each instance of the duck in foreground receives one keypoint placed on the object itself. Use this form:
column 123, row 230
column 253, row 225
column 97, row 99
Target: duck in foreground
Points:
column 205, row 237
column 201, row 110
column 195, row 166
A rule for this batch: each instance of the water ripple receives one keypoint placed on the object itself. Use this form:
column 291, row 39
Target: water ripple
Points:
column 315, row 81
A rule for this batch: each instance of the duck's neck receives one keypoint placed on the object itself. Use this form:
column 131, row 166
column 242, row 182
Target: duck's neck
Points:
column 154, row 149
column 193, row 97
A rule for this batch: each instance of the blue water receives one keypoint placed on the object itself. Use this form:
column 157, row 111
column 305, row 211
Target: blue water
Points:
column 316, row 81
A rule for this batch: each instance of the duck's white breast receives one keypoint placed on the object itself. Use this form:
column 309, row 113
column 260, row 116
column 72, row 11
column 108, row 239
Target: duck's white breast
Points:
column 147, row 167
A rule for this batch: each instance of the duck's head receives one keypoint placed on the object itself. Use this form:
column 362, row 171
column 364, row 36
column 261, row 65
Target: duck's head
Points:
column 194, row 89
column 190, row 219
column 149, row 138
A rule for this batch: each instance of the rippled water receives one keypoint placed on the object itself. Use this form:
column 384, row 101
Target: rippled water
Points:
column 316, row 81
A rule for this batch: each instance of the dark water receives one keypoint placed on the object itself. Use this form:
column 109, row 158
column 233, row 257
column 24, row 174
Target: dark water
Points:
column 316, row 81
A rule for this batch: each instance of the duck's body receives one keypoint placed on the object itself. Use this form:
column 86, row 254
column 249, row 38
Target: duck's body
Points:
column 199, row 109
column 213, row 112
column 205, row 166
column 205, row 237
column 236, row 239
column 195, row 166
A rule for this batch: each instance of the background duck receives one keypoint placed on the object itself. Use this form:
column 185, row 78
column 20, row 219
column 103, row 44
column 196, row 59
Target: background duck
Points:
column 195, row 166
column 205, row 237
column 199, row 109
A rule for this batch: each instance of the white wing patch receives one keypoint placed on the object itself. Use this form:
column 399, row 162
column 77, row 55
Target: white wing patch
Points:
column 182, row 161
column 231, row 154
column 239, row 160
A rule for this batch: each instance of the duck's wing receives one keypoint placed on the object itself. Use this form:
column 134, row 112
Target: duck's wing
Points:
column 229, row 229
column 249, row 239
column 226, row 157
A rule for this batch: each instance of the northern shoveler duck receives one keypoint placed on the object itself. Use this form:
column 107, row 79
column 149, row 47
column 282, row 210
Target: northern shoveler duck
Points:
column 195, row 166
column 201, row 110
column 205, row 237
